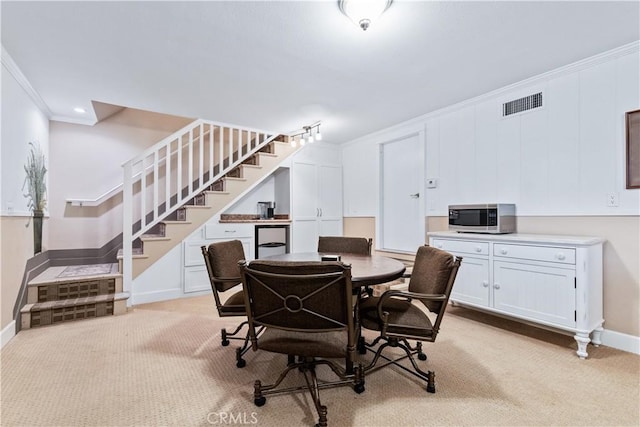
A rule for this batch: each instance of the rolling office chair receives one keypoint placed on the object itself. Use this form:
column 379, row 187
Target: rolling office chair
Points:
column 221, row 259
column 339, row 244
column 398, row 317
column 306, row 311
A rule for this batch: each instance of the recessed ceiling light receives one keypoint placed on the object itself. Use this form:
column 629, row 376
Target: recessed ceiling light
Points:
column 79, row 110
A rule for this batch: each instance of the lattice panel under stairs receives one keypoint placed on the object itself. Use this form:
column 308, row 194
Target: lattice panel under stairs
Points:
column 56, row 313
column 63, row 291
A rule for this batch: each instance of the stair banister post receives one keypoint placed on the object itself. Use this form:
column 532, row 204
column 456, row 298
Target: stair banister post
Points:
column 127, row 229
column 211, row 130
column 201, row 156
column 190, row 165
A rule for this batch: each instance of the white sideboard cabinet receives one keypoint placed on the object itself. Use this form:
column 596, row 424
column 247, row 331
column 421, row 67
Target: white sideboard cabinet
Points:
column 555, row 281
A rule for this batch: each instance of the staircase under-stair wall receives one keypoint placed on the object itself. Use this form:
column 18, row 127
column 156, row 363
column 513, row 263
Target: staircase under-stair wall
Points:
column 194, row 175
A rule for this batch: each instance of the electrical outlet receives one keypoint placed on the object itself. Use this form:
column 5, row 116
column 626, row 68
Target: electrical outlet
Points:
column 612, row 200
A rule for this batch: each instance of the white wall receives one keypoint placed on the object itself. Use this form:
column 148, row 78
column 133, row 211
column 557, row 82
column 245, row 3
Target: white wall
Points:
column 248, row 205
column 22, row 122
column 563, row 159
column 86, row 162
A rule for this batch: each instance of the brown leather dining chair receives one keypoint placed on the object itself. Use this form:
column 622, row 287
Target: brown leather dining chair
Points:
column 221, row 259
column 400, row 316
column 341, row 244
column 306, row 311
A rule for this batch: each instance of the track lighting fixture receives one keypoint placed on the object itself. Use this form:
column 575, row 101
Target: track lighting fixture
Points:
column 308, row 134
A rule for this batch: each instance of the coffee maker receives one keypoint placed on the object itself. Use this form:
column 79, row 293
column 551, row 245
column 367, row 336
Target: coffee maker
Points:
column 266, row 210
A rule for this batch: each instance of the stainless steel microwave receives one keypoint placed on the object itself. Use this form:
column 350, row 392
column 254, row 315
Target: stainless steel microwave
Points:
column 497, row 218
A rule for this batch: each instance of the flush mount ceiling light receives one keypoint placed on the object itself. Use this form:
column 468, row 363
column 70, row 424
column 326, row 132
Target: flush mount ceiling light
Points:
column 363, row 12
column 79, row 110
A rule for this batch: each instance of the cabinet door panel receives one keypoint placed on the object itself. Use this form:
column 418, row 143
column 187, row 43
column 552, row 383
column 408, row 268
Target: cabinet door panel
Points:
column 304, row 235
column 304, row 184
column 193, row 254
column 196, row 279
column 330, row 191
column 472, row 282
column 330, row 227
column 535, row 292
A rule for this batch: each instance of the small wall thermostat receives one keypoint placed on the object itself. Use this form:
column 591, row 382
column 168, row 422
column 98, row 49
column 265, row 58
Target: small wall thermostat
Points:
column 432, row 182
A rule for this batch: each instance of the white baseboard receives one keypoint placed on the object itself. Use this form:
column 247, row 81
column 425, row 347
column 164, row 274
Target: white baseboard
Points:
column 156, row 296
column 621, row 341
column 7, row 333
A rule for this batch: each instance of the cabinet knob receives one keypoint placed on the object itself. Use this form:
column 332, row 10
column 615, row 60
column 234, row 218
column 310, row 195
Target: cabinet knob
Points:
column 496, row 286
column 503, row 251
column 485, row 284
column 560, row 256
column 478, row 249
column 439, row 245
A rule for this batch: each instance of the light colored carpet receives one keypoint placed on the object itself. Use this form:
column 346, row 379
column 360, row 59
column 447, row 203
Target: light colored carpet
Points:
column 162, row 364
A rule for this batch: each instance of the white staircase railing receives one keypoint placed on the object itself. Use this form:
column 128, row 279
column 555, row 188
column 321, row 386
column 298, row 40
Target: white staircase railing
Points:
column 167, row 175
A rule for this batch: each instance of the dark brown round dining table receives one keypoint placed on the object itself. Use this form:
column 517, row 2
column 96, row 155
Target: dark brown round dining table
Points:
column 366, row 270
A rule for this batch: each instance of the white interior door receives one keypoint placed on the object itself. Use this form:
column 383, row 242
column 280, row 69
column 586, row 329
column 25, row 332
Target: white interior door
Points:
column 402, row 194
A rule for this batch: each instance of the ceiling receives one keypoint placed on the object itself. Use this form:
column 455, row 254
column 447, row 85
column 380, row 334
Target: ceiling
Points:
column 280, row 65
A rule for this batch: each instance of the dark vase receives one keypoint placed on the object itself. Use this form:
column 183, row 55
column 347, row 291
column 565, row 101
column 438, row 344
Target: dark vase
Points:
column 37, row 231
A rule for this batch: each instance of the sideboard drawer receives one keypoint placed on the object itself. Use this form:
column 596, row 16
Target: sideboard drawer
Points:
column 536, row 253
column 215, row 230
column 464, row 246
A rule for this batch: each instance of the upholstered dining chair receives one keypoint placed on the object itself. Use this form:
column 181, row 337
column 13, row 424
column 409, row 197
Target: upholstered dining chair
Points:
column 400, row 316
column 341, row 244
column 307, row 314
column 221, row 259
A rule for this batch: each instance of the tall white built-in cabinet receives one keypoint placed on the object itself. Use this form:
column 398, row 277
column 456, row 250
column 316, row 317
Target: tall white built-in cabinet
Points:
column 316, row 197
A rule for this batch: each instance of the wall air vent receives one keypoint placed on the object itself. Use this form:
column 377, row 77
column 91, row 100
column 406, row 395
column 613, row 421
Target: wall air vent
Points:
column 521, row 105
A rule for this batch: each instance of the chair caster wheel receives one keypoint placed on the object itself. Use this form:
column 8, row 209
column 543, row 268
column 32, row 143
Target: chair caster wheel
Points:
column 225, row 343
column 241, row 363
column 431, row 389
column 422, row 356
column 260, row 401
column 358, row 388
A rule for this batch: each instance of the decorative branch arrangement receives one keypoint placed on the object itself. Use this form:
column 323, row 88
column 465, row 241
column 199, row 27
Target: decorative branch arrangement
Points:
column 35, row 179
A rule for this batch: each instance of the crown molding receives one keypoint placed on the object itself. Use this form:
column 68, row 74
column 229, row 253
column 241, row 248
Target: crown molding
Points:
column 17, row 74
column 74, row 120
column 629, row 48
